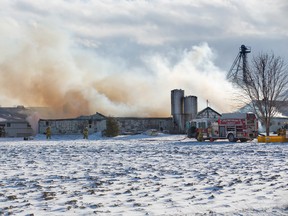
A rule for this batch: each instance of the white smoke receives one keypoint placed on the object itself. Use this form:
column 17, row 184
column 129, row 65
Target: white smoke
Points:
column 33, row 120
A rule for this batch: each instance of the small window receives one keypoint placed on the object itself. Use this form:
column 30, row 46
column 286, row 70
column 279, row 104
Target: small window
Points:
column 28, row 125
column 8, row 124
column 202, row 125
column 47, row 123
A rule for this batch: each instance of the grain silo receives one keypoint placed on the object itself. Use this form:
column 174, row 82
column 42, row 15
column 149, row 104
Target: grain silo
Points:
column 190, row 107
column 177, row 106
column 177, row 96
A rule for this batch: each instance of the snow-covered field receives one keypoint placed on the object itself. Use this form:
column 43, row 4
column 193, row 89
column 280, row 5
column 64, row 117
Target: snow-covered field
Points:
column 142, row 175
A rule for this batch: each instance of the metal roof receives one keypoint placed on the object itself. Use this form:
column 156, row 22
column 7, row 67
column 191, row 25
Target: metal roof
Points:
column 13, row 114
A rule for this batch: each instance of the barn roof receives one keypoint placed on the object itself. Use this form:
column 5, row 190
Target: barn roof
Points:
column 207, row 111
column 13, row 114
column 97, row 116
column 282, row 107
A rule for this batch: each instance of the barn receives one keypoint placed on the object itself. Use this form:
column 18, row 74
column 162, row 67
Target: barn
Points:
column 14, row 122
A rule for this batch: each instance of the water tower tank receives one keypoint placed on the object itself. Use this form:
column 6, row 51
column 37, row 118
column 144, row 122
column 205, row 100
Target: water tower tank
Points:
column 190, row 107
column 177, row 96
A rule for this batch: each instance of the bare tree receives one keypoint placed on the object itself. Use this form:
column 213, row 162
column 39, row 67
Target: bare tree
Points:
column 265, row 86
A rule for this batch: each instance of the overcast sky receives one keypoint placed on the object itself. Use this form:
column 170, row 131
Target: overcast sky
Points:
column 149, row 47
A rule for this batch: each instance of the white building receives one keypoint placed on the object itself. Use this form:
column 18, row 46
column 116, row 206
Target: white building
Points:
column 14, row 123
column 279, row 120
column 95, row 123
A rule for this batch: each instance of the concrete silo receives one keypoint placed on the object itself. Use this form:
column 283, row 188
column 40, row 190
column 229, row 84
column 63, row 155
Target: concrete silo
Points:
column 177, row 109
column 177, row 96
column 190, row 107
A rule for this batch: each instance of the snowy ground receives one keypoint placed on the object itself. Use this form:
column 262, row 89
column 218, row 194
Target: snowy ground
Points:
column 142, row 175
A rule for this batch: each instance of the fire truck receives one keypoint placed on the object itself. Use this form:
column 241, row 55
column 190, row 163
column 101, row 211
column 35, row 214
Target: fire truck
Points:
column 231, row 126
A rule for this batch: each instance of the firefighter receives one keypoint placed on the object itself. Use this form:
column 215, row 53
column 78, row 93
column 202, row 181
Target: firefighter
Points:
column 284, row 132
column 209, row 131
column 281, row 132
column 48, row 132
column 200, row 135
column 85, row 133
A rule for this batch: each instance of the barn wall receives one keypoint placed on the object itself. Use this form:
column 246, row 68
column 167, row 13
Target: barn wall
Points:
column 100, row 126
column 140, row 125
column 71, row 126
column 18, row 129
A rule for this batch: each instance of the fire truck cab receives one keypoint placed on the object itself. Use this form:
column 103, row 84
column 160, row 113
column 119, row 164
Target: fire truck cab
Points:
column 231, row 126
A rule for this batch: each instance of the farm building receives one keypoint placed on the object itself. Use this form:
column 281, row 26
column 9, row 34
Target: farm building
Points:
column 134, row 125
column 183, row 109
column 208, row 112
column 95, row 123
column 14, row 122
column 279, row 120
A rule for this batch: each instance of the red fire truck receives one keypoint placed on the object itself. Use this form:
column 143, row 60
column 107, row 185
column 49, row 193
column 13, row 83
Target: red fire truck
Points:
column 231, row 126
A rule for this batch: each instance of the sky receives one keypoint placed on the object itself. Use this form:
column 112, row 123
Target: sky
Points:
column 123, row 58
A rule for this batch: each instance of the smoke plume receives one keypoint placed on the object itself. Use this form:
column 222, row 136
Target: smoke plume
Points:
column 44, row 67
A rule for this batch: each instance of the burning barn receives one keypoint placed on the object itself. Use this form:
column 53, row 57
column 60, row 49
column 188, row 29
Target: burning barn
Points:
column 14, row 121
column 183, row 109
